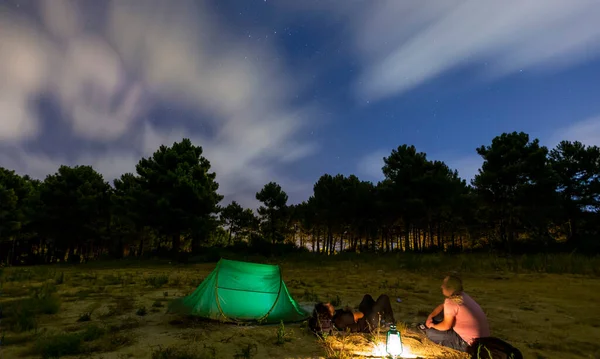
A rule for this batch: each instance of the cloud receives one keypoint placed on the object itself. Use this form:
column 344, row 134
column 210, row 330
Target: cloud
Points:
column 82, row 71
column 467, row 166
column 107, row 82
column 62, row 18
column 405, row 44
column 371, row 164
column 23, row 71
column 90, row 84
column 586, row 131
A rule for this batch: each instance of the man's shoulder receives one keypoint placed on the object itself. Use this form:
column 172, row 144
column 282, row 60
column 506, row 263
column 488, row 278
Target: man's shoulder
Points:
column 450, row 305
column 449, row 301
column 468, row 298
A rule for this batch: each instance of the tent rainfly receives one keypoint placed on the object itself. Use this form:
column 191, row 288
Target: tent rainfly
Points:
column 241, row 291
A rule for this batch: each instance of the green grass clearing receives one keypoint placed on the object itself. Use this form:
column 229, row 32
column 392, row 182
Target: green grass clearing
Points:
column 102, row 311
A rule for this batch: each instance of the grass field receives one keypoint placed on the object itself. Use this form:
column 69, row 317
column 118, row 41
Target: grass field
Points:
column 117, row 309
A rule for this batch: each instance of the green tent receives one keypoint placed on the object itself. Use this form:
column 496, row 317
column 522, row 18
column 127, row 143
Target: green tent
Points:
column 241, row 291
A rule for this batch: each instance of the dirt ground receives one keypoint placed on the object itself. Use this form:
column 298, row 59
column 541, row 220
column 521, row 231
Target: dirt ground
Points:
column 545, row 316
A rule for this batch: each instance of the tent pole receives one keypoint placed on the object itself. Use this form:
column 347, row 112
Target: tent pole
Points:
column 217, row 292
column 276, row 299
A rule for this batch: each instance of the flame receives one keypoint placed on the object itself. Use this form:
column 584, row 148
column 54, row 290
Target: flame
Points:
column 379, row 351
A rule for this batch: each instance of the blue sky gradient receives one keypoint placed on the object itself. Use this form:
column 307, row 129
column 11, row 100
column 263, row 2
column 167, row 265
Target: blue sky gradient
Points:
column 289, row 90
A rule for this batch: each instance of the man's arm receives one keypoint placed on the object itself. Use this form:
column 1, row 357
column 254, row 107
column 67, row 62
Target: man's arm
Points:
column 447, row 323
column 436, row 311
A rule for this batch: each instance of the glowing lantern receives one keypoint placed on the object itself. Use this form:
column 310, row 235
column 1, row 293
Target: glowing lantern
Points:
column 393, row 342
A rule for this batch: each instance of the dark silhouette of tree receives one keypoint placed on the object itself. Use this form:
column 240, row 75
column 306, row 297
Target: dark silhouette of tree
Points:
column 76, row 210
column 524, row 198
column 179, row 193
column 129, row 215
column 577, row 173
column 274, row 212
column 515, row 187
column 239, row 221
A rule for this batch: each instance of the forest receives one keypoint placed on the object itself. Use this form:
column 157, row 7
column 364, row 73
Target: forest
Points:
column 526, row 198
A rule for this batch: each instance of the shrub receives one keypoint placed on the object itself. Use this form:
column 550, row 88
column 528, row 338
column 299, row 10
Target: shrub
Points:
column 18, row 275
column 57, row 345
column 85, row 317
column 61, row 344
column 60, row 279
column 157, row 281
column 121, row 305
column 183, row 353
column 48, row 305
column 21, row 316
column 141, row 311
column 282, row 335
column 92, row 332
column 157, row 304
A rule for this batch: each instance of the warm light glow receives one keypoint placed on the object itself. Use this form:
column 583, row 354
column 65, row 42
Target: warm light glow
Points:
column 394, row 345
column 379, row 350
column 393, row 342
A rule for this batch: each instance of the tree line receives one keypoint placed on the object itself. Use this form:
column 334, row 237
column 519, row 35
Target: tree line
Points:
column 524, row 197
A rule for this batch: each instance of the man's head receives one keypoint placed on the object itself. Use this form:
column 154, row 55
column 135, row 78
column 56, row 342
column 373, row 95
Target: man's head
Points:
column 452, row 285
column 325, row 309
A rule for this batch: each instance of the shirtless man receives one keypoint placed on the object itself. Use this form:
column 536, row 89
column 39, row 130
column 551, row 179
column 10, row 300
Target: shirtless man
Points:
column 369, row 316
column 458, row 321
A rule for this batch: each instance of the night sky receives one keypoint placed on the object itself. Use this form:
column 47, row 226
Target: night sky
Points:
column 288, row 90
